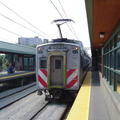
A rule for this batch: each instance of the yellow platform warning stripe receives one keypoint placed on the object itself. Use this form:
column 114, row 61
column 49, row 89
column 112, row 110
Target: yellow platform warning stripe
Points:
column 80, row 108
column 17, row 75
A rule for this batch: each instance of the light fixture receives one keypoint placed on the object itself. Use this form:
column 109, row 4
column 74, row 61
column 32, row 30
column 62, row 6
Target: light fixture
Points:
column 100, row 44
column 102, row 34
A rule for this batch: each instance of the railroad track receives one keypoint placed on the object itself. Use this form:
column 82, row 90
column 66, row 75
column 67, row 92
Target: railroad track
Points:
column 30, row 107
column 52, row 111
column 23, row 109
column 10, row 96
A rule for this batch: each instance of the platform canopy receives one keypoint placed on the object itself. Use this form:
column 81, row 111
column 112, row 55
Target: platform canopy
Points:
column 16, row 48
column 103, row 17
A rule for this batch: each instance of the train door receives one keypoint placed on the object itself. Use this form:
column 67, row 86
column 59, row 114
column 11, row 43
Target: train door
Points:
column 56, row 70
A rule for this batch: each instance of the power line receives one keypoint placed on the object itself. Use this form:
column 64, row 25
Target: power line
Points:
column 10, row 32
column 24, row 19
column 62, row 16
column 20, row 24
column 67, row 18
column 1, row 39
column 56, row 9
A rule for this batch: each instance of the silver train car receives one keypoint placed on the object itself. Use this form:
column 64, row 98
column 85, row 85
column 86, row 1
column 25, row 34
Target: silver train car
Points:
column 60, row 68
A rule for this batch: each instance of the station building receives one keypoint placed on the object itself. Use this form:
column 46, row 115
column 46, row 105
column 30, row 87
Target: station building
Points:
column 30, row 41
column 104, row 29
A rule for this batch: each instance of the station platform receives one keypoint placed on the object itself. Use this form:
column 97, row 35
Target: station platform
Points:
column 4, row 76
column 89, row 103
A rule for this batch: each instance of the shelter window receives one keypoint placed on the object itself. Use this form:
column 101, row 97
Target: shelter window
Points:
column 25, row 61
column 112, row 60
column 118, row 84
column 112, row 63
column 118, row 39
column 112, row 44
column 118, row 59
column 31, row 61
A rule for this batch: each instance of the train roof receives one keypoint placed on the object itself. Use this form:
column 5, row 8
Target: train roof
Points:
column 64, row 41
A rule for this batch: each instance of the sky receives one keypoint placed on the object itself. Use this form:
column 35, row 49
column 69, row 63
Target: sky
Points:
column 30, row 18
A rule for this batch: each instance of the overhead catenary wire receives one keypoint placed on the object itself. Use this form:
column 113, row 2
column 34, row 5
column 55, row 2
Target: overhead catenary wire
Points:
column 10, row 31
column 8, row 40
column 67, row 18
column 33, row 25
column 19, row 24
column 63, row 18
column 57, row 9
column 25, row 20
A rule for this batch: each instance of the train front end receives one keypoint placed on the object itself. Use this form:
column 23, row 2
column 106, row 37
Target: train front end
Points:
column 58, row 68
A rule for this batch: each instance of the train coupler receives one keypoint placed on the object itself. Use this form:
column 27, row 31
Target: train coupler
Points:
column 39, row 92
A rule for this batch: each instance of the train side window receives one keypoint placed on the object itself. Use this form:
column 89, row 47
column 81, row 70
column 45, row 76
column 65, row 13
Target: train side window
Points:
column 57, row 64
column 43, row 62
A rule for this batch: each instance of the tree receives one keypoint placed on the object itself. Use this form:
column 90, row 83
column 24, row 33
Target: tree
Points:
column 4, row 60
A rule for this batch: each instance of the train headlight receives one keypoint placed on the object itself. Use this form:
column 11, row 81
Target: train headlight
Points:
column 39, row 49
column 76, row 48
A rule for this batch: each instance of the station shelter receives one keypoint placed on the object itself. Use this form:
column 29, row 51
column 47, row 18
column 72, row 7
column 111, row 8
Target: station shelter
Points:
column 23, row 57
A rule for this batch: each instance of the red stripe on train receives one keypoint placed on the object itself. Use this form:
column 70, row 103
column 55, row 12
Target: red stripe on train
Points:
column 44, row 72
column 70, row 84
column 42, row 81
column 70, row 72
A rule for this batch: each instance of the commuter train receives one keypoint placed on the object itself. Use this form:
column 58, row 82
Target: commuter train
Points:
column 60, row 67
